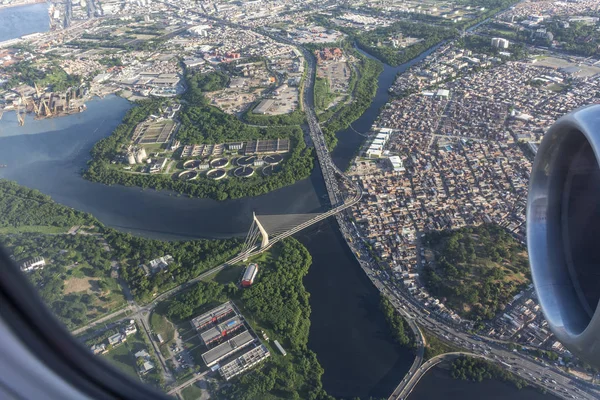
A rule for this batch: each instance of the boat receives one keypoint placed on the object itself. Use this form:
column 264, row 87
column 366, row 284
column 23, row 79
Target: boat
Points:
column 3, row 165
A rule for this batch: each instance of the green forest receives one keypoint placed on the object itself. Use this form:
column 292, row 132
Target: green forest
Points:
column 578, row 38
column 191, row 258
column 53, row 76
column 477, row 369
column 477, row 269
column 208, row 82
column 22, row 208
column 374, row 42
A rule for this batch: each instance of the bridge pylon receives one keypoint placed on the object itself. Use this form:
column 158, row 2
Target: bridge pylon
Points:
column 265, row 236
column 256, row 231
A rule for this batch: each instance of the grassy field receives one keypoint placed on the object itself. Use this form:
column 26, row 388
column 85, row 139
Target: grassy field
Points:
column 191, row 392
column 123, row 357
column 231, row 273
column 81, row 281
column 161, row 326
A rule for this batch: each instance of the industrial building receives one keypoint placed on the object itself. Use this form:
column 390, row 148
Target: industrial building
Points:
column 214, row 316
column 220, row 330
column 375, row 149
column 153, row 131
column 267, row 146
column 231, row 346
column 136, row 155
column 397, row 164
column 249, row 275
column 280, row 348
column 264, row 106
column 243, row 362
column 33, row 264
column 216, row 354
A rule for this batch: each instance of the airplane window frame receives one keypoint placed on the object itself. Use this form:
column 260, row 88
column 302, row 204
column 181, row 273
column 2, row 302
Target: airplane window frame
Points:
column 26, row 315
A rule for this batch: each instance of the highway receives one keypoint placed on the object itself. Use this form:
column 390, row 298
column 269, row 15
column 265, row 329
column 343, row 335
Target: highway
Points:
column 537, row 373
column 411, row 380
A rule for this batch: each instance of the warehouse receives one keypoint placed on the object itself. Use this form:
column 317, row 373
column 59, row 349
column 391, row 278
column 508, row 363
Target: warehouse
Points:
column 215, row 315
column 246, row 360
column 223, row 329
column 267, row 146
column 264, row 106
column 223, row 350
column 249, row 275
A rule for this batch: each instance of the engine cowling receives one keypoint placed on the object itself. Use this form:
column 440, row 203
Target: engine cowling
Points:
column 563, row 230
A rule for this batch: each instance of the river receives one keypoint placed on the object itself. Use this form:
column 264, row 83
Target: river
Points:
column 22, row 20
column 438, row 384
column 348, row 333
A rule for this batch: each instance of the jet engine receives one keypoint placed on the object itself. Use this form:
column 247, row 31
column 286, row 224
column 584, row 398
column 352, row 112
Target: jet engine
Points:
column 563, row 230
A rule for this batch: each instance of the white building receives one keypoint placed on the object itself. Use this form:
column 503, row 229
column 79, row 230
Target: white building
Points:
column 397, row 164
column 199, row 30
column 33, row 264
column 500, row 43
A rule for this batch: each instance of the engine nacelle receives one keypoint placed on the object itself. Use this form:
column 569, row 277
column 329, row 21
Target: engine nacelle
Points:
column 563, row 230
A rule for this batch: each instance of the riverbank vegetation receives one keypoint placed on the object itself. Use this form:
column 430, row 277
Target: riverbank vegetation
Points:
column 365, row 88
column 399, row 327
column 477, row 269
column 477, row 369
column 21, row 208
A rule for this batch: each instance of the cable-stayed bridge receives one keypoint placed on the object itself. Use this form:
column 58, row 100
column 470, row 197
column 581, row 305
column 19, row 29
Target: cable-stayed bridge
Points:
column 267, row 230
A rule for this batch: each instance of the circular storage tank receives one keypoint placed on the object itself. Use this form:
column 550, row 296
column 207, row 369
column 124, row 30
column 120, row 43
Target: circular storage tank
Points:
column 245, row 161
column 270, row 169
column 191, row 164
column 216, row 174
column 243, row 172
column 188, row 175
column 219, row 163
column 273, row 159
